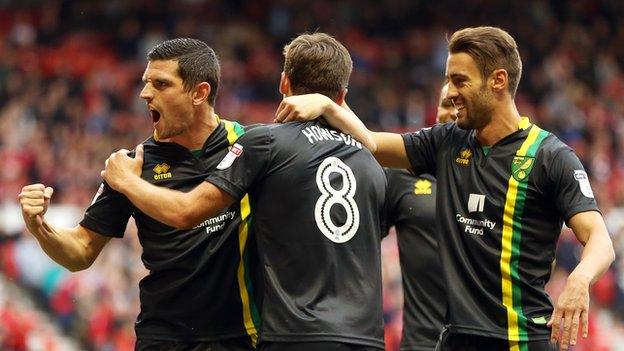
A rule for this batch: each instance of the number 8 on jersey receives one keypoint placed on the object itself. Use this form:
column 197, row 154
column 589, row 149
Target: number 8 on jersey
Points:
column 331, row 196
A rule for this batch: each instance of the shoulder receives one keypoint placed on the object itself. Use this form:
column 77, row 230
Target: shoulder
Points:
column 397, row 173
column 256, row 132
column 440, row 131
column 552, row 148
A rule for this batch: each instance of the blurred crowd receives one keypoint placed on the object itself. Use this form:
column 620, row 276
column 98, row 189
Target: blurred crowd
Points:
column 70, row 74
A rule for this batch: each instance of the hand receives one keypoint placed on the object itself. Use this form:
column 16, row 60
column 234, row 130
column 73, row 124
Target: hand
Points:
column 120, row 167
column 572, row 306
column 302, row 107
column 34, row 200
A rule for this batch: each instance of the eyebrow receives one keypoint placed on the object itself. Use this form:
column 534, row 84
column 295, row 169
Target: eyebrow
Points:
column 457, row 75
column 157, row 79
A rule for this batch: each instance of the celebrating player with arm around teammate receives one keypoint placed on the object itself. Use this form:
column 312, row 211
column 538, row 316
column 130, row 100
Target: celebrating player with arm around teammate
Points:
column 505, row 187
column 317, row 198
column 197, row 295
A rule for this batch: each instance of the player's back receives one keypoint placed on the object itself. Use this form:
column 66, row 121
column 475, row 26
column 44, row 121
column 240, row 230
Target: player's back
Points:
column 316, row 205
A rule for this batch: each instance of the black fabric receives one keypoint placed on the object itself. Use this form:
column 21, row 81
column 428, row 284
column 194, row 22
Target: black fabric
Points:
column 313, row 346
column 317, row 288
column 411, row 204
column 465, row 342
column 471, row 199
column 191, row 292
column 234, row 344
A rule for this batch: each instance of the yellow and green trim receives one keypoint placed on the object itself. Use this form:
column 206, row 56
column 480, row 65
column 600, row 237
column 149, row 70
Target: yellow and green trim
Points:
column 512, row 235
column 234, row 130
column 251, row 317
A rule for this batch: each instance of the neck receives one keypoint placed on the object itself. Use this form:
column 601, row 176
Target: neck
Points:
column 204, row 123
column 505, row 120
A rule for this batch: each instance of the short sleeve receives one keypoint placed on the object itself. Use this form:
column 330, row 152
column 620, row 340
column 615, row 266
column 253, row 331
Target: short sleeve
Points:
column 244, row 164
column 393, row 195
column 570, row 183
column 108, row 214
column 422, row 147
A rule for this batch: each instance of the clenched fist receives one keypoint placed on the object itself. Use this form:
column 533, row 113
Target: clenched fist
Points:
column 34, row 200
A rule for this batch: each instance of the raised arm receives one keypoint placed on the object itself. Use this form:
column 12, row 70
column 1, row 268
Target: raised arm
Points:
column 388, row 148
column 573, row 303
column 73, row 248
column 172, row 207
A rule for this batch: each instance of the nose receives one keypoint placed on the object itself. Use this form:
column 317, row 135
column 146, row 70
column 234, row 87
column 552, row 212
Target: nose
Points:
column 146, row 93
column 451, row 93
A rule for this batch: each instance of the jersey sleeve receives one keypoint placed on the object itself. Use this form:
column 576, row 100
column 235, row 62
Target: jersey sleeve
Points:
column 244, row 164
column 570, row 183
column 108, row 214
column 422, row 147
column 393, row 196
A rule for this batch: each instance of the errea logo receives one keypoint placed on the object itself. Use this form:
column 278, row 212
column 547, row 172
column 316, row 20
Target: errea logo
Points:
column 464, row 157
column 161, row 171
column 422, row 187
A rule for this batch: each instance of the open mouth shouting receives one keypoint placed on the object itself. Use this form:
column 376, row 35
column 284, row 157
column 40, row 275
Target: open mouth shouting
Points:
column 154, row 114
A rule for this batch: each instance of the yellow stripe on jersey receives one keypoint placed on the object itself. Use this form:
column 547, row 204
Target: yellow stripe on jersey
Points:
column 508, row 241
column 232, row 136
column 243, row 235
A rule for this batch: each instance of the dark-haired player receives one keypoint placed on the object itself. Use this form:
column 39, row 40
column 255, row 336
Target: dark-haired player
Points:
column 197, row 295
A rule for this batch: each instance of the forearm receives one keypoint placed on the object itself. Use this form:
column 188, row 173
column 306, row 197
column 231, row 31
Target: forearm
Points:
column 388, row 148
column 596, row 258
column 172, row 207
column 343, row 119
column 63, row 245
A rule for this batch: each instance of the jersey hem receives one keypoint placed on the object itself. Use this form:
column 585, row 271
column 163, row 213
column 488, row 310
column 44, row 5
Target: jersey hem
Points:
column 347, row 339
column 409, row 144
column 418, row 347
column 190, row 338
column 580, row 209
column 488, row 333
column 225, row 185
column 94, row 225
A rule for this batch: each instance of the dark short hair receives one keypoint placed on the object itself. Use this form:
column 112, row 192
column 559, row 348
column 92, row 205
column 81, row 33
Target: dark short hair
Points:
column 317, row 63
column 491, row 48
column 197, row 62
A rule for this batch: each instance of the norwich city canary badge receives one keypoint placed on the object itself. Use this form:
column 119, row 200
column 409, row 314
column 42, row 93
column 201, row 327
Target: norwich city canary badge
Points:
column 521, row 166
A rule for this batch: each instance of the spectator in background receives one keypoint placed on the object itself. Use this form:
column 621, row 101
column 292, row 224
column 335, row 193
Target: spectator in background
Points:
column 400, row 45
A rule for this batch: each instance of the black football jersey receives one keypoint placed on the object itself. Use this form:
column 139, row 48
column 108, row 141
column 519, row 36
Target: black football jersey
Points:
column 411, row 204
column 199, row 286
column 500, row 215
column 317, row 199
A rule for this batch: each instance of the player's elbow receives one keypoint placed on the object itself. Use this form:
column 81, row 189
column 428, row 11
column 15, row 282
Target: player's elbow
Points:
column 185, row 218
column 610, row 253
column 78, row 265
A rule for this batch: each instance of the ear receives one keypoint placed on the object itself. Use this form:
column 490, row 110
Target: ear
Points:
column 284, row 86
column 201, row 93
column 342, row 95
column 499, row 80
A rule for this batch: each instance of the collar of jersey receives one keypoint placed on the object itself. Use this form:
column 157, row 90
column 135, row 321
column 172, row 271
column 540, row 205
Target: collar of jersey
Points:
column 524, row 123
column 178, row 146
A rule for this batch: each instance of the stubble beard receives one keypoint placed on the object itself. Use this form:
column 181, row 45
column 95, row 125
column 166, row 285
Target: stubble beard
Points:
column 478, row 112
